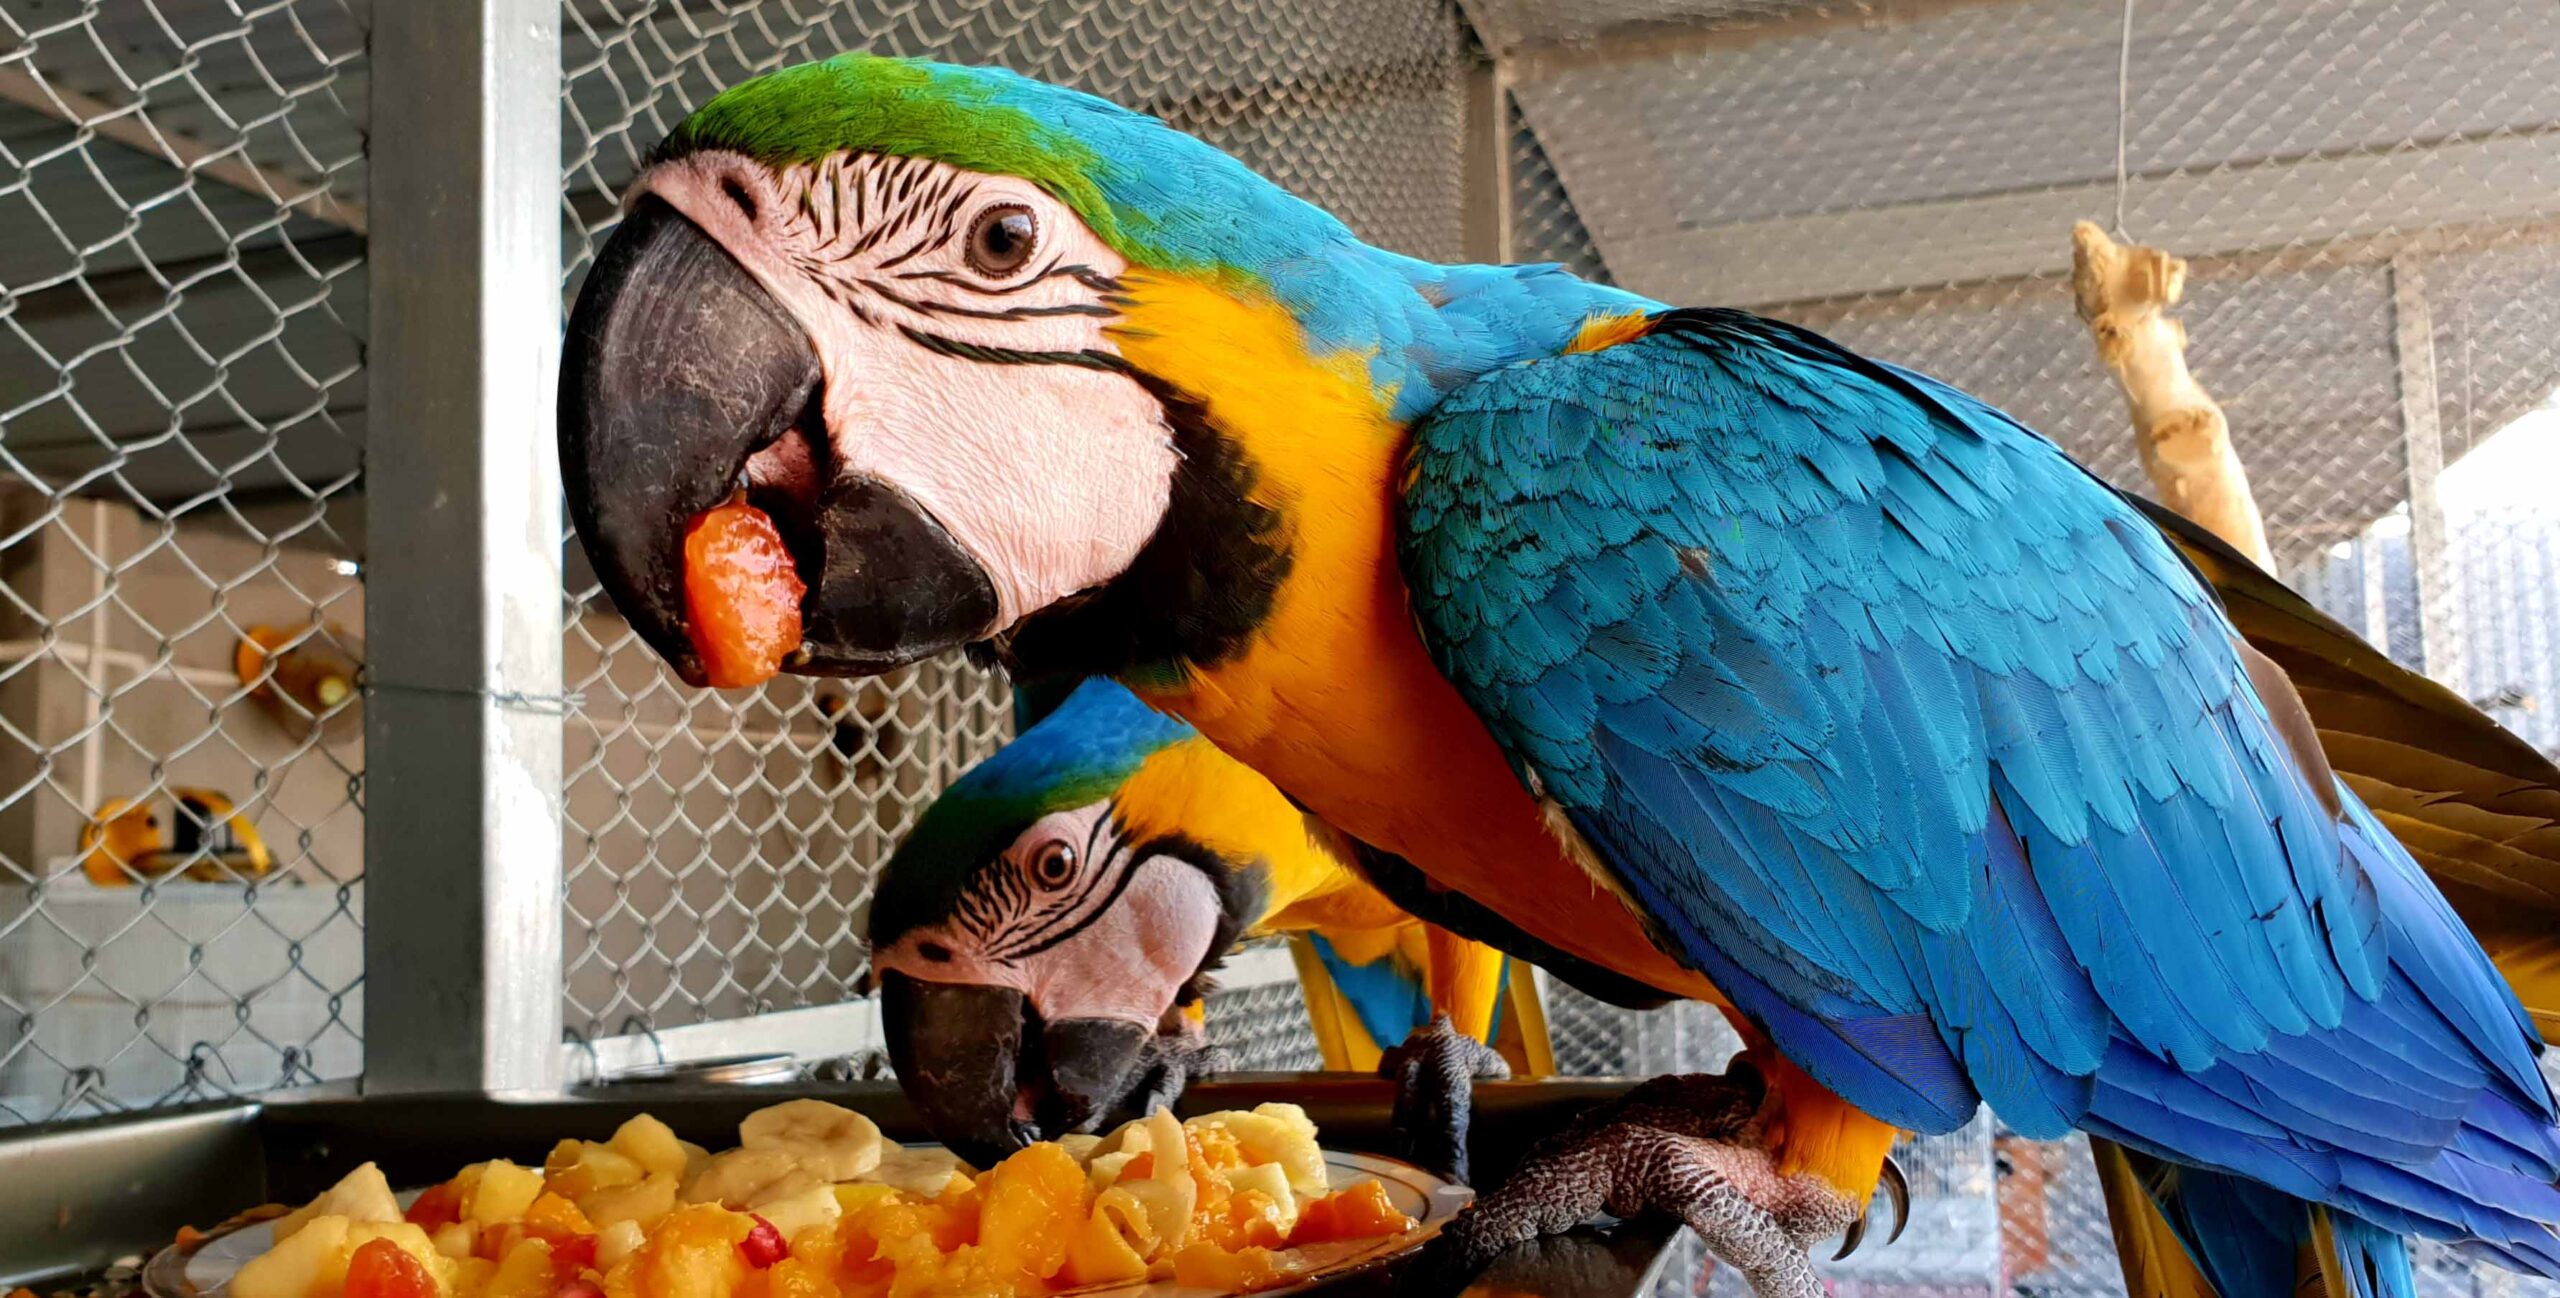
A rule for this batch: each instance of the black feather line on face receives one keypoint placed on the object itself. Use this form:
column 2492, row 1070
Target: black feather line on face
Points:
column 1091, row 360
column 1197, row 590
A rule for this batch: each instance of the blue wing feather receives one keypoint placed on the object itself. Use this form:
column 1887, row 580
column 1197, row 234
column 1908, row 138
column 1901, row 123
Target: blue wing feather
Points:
column 1940, row 762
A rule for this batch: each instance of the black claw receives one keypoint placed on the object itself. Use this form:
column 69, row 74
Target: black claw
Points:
column 1895, row 1189
column 1850, row 1239
column 1899, row 1190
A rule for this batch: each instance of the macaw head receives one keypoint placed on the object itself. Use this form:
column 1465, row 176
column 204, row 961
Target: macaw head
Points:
column 1048, row 917
column 957, row 332
column 881, row 295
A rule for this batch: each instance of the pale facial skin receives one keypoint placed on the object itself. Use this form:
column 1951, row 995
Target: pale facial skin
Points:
column 960, row 324
column 1075, row 919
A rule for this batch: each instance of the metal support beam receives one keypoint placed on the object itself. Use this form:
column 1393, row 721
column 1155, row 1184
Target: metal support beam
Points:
column 1486, row 164
column 2376, row 582
column 463, row 729
column 2421, row 431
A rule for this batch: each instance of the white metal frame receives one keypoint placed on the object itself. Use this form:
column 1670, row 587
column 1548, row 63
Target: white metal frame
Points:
column 463, row 729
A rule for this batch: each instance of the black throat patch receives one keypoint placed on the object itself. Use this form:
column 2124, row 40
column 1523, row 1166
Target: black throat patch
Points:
column 1195, row 593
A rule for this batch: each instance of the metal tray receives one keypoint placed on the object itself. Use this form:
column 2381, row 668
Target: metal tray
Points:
column 77, row 1198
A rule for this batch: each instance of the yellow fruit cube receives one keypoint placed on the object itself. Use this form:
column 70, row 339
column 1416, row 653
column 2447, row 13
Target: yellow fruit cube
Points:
column 311, row 1263
column 651, row 1144
column 618, row 1241
column 644, row 1203
column 500, row 1193
column 525, row 1272
column 578, row 1168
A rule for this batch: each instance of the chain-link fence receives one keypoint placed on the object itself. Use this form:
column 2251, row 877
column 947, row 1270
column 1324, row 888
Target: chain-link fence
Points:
column 720, row 846
column 182, row 306
column 2367, row 191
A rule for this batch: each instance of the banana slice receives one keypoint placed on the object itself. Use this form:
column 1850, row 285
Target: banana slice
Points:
column 923, row 1173
column 834, row 1142
column 746, row 1178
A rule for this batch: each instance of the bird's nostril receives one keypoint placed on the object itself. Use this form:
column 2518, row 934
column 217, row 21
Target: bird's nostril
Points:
column 934, row 951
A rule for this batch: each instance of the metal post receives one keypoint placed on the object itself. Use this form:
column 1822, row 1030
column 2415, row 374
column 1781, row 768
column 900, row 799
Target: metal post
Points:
column 1486, row 165
column 2421, row 430
column 2377, row 590
column 463, row 607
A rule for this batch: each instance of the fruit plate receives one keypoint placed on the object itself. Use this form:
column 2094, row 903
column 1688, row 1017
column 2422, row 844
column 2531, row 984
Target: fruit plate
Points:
column 205, row 1270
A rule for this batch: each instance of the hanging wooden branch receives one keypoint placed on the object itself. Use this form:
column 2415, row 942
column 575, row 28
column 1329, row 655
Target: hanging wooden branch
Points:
column 2124, row 292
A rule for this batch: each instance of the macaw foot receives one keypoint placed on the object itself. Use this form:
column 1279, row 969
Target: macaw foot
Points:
column 1435, row 1072
column 1168, row 1065
column 1691, row 1147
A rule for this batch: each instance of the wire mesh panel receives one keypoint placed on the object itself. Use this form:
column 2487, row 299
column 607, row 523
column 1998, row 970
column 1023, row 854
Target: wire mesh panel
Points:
column 720, row 846
column 182, row 299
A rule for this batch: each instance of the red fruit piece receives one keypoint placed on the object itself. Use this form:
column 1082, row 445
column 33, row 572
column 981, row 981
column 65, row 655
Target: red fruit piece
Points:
column 382, row 1269
column 763, row 1246
column 741, row 595
column 439, row 1206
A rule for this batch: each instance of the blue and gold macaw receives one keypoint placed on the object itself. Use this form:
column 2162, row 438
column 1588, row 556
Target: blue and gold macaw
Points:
column 1681, row 644
column 1108, row 827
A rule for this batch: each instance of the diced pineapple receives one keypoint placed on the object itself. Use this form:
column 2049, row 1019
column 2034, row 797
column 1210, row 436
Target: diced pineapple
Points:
column 455, row 1239
column 644, row 1203
column 471, row 1276
column 791, row 1214
column 500, row 1193
column 651, row 1144
column 361, row 1195
column 310, row 1264
column 525, row 1272
column 1104, row 1170
column 578, row 1168
column 617, row 1241
column 1080, row 1146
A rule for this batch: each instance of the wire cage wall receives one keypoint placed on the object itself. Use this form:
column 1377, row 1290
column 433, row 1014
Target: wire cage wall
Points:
column 198, row 261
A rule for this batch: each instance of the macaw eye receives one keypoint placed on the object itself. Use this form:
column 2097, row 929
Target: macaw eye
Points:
column 1001, row 240
column 1055, row 865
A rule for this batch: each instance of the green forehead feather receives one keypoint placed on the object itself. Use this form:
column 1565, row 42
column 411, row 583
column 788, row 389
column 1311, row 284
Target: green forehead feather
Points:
column 976, row 119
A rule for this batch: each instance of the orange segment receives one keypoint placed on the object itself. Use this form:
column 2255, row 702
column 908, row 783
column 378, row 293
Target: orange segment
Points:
column 741, row 595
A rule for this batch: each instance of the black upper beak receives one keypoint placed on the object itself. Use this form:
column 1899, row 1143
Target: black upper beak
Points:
column 987, row 1086
column 678, row 367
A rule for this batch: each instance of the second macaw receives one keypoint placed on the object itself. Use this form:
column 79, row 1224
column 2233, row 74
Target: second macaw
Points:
column 1044, row 938
column 1681, row 642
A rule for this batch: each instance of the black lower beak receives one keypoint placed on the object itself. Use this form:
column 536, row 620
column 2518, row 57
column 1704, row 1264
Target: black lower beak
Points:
column 982, row 1085
column 1093, row 1067
column 678, row 368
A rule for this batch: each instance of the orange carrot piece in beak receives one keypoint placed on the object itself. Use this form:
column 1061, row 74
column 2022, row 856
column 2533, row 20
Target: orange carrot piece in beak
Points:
column 741, row 595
